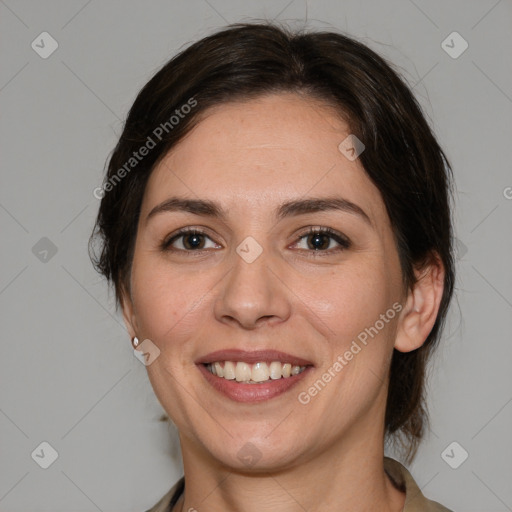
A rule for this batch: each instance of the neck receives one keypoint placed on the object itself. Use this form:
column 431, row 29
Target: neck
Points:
column 347, row 476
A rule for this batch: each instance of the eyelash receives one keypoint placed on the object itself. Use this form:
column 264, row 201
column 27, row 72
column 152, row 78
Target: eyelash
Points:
column 343, row 242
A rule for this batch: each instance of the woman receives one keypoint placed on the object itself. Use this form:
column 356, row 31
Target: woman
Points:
column 276, row 222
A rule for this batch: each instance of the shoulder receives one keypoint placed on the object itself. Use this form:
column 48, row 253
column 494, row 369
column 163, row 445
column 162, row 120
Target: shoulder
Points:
column 166, row 503
column 415, row 501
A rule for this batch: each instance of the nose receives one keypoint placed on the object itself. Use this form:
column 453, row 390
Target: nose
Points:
column 253, row 294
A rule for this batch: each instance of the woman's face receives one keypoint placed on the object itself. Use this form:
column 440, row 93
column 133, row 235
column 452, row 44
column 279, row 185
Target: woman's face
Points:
column 255, row 279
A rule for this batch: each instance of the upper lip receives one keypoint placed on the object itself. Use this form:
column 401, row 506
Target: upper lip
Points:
column 252, row 357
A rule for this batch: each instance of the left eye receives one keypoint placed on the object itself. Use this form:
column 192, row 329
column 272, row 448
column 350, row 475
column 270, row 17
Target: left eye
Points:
column 322, row 240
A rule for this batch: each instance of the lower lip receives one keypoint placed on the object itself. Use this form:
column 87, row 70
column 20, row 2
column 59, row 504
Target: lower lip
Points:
column 243, row 392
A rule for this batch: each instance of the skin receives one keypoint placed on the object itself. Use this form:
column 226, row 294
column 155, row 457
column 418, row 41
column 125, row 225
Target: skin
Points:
column 325, row 455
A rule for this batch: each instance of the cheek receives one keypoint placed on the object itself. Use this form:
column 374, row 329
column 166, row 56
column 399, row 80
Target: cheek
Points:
column 165, row 300
column 351, row 298
column 357, row 305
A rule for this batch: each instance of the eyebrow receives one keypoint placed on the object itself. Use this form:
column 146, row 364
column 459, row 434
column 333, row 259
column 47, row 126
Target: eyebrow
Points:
column 288, row 209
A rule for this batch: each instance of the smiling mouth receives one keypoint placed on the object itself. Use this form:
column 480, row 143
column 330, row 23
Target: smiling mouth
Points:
column 245, row 373
column 253, row 376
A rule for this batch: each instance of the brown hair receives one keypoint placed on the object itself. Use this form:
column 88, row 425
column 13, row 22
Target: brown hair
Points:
column 401, row 157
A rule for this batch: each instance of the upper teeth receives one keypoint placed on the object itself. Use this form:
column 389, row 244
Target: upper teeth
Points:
column 258, row 372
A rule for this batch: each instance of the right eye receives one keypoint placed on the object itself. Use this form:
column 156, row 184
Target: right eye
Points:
column 189, row 240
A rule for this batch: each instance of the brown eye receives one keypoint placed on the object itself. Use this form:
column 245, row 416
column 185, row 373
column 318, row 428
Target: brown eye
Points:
column 318, row 241
column 193, row 241
column 189, row 240
column 323, row 240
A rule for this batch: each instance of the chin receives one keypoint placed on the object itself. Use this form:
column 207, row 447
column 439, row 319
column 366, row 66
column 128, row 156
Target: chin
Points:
column 259, row 453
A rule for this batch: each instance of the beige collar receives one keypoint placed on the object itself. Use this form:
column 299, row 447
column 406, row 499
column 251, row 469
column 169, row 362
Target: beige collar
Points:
column 403, row 480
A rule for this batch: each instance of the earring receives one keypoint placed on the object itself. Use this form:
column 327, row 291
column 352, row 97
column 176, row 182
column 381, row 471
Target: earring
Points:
column 135, row 342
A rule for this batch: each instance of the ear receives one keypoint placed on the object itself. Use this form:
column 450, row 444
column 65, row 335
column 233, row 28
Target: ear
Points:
column 420, row 312
column 127, row 306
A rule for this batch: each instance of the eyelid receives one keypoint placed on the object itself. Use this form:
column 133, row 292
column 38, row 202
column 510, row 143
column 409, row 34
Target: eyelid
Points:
column 322, row 229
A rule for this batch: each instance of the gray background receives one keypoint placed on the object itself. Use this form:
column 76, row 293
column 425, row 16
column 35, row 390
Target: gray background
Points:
column 67, row 372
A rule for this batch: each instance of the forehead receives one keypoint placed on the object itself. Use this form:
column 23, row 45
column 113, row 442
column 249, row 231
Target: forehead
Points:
column 258, row 153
